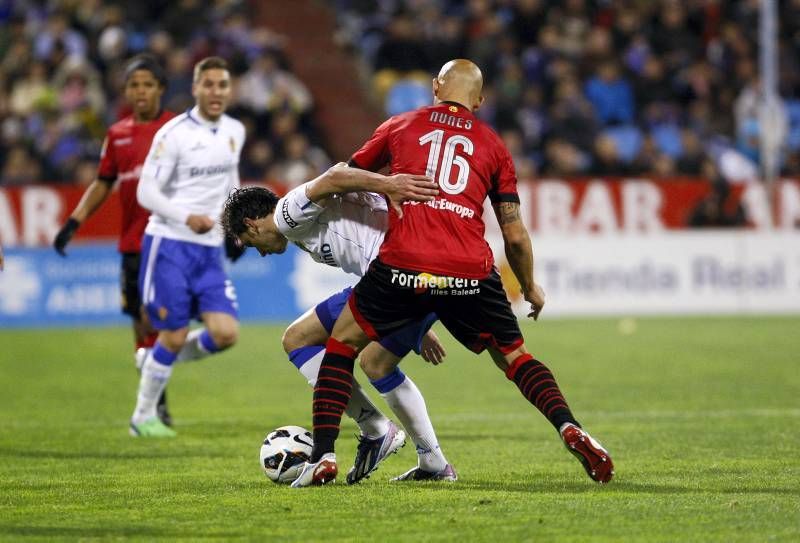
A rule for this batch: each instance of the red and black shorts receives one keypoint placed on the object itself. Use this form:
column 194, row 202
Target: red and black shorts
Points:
column 475, row 311
column 129, row 285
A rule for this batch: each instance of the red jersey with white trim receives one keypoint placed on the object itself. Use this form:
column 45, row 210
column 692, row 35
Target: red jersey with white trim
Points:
column 469, row 161
column 124, row 151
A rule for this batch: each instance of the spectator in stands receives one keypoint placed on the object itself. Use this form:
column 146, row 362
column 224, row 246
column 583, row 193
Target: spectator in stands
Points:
column 266, row 87
column 611, row 95
column 31, row 91
column 667, row 66
column 400, row 55
column 58, row 68
column 19, row 167
column 257, row 160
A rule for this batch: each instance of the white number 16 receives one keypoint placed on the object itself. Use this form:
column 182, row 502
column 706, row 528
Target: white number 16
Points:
column 450, row 158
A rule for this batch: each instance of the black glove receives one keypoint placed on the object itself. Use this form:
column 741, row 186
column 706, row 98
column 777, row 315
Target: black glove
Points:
column 64, row 235
column 233, row 248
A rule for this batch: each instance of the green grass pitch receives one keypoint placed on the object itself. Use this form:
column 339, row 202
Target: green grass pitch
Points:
column 701, row 415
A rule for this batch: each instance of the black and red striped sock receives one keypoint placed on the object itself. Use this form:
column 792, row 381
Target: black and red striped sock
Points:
column 539, row 387
column 331, row 394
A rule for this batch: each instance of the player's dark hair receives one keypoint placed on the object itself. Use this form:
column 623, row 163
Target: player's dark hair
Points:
column 208, row 63
column 149, row 63
column 247, row 203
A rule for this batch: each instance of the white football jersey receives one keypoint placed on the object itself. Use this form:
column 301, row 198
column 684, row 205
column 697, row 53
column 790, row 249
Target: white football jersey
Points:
column 192, row 166
column 346, row 232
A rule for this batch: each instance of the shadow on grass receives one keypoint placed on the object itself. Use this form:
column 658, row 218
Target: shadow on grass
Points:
column 111, row 532
column 108, row 455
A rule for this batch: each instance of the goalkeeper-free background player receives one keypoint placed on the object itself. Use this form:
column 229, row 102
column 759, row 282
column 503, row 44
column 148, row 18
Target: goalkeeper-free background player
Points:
column 190, row 170
column 340, row 219
column 124, row 151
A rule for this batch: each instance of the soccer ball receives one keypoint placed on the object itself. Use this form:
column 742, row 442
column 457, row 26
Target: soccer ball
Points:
column 284, row 452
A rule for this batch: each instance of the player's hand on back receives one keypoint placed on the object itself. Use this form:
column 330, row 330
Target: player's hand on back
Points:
column 405, row 187
column 535, row 297
column 200, row 224
column 432, row 349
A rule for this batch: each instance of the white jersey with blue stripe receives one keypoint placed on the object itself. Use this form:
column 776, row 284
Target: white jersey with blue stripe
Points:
column 192, row 166
column 346, row 232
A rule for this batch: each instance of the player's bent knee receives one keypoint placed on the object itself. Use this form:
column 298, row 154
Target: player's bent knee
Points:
column 226, row 338
column 225, row 335
column 292, row 339
column 377, row 362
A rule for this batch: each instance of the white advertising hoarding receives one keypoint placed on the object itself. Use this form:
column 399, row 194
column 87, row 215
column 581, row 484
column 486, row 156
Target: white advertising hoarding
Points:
column 667, row 273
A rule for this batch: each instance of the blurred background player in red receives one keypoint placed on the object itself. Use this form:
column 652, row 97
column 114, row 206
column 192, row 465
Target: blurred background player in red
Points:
column 124, row 151
column 435, row 259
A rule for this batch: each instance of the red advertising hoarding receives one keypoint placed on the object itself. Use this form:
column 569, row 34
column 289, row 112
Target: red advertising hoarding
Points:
column 31, row 215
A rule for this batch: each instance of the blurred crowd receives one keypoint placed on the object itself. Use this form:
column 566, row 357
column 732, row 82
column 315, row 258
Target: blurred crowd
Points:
column 61, row 70
column 595, row 87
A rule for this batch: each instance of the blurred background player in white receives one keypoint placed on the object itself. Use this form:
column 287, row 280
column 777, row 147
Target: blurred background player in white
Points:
column 124, row 151
column 191, row 169
column 340, row 220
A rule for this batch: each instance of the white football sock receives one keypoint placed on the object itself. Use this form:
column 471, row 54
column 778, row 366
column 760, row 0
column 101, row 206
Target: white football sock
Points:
column 151, row 384
column 408, row 404
column 192, row 349
column 360, row 408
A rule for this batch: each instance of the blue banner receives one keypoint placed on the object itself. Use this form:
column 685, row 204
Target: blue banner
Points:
column 40, row 288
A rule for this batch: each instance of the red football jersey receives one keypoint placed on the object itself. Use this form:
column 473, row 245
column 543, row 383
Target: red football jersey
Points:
column 469, row 161
column 124, row 151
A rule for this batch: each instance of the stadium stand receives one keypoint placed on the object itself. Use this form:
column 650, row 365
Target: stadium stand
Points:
column 593, row 87
column 61, row 81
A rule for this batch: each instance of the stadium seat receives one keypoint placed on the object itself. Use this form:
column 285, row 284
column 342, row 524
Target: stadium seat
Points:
column 667, row 138
column 406, row 95
column 628, row 139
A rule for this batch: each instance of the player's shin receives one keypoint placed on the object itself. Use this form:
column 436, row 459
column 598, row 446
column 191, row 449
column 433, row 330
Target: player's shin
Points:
column 360, row 408
column 408, row 404
column 537, row 384
column 156, row 372
column 331, row 395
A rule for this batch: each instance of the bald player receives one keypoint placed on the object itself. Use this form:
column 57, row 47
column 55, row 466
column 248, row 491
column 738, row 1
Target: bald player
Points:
column 435, row 260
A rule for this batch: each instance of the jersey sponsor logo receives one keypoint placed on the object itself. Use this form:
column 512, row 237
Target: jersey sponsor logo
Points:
column 446, row 205
column 159, row 149
column 217, row 169
column 286, row 216
column 326, row 254
column 437, row 285
column 123, row 141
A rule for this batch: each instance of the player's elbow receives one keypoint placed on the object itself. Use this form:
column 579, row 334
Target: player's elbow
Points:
column 516, row 236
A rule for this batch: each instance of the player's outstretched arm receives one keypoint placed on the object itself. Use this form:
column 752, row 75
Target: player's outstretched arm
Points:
column 519, row 253
column 341, row 179
column 92, row 199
